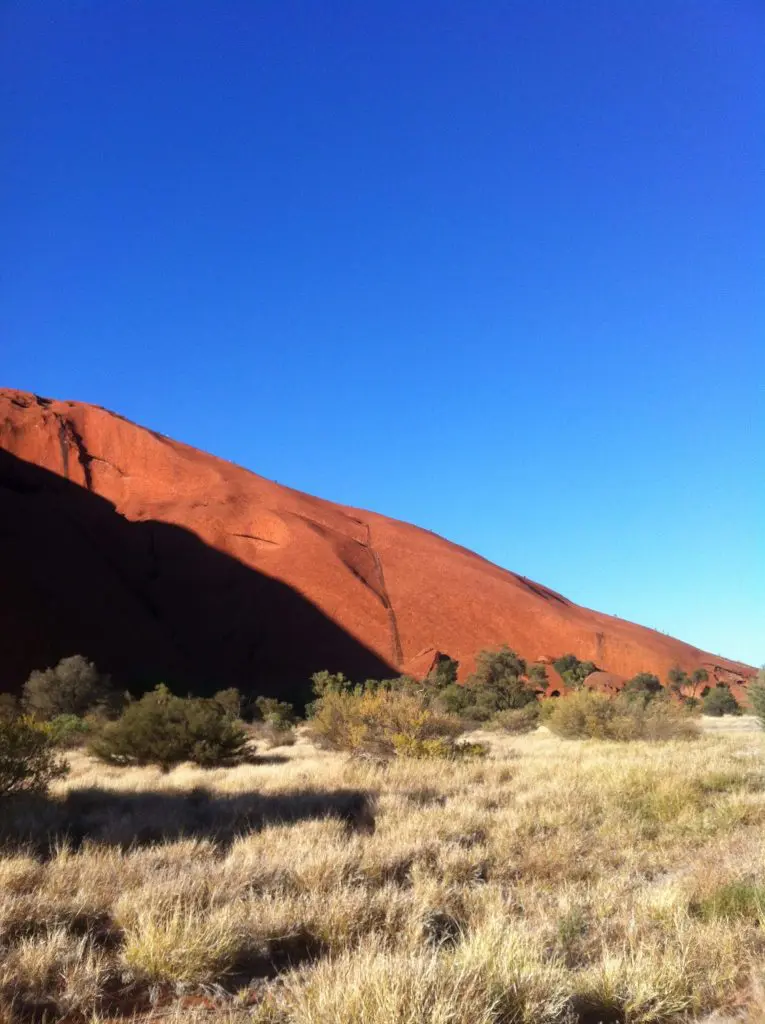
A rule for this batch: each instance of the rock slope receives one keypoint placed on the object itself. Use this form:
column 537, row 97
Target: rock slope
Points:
column 162, row 562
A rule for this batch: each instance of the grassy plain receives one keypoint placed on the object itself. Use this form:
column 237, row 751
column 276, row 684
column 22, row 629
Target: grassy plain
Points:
column 555, row 881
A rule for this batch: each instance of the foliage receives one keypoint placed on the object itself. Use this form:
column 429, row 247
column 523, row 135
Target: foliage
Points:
column 756, row 696
column 73, row 687
column 276, row 712
column 28, row 759
column 572, row 671
column 720, row 701
column 377, row 721
column 585, row 715
column 644, row 687
column 276, row 724
column 438, row 747
column 163, row 729
column 443, row 673
column 518, row 720
column 231, row 701
column 499, row 683
column 330, row 682
column 538, row 676
column 68, row 731
column 9, row 707
column 679, row 682
column 494, row 667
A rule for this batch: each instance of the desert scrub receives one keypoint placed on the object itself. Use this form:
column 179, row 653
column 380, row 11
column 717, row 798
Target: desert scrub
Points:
column 587, row 715
column 28, row 759
column 166, row 730
column 517, row 720
column 382, row 722
column 409, row 746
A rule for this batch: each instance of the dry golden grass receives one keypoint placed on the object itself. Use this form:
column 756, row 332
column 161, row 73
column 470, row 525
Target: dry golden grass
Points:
column 555, row 881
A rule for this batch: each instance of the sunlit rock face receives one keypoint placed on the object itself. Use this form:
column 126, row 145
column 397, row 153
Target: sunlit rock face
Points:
column 159, row 561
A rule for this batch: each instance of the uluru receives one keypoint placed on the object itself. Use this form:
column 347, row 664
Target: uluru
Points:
column 162, row 562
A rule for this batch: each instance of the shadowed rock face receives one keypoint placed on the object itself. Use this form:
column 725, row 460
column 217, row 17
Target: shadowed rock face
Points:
column 160, row 561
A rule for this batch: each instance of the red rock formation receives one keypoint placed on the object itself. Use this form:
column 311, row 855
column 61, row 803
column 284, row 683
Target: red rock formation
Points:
column 159, row 560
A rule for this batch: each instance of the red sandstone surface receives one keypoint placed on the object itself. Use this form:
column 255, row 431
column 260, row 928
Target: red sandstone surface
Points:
column 162, row 562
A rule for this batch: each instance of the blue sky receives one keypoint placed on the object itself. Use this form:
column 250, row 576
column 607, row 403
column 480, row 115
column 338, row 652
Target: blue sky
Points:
column 497, row 269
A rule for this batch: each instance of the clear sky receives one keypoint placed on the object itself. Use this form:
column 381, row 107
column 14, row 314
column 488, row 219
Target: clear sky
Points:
column 495, row 268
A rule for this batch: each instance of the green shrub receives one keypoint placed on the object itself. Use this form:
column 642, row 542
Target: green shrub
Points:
column 572, row 671
column 499, row 683
column 679, row 682
column 68, row 731
column 276, row 712
column 230, row 700
column 755, row 695
column 28, row 759
column 9, row 707
column 643, row 687
column 73, row 687
column 720, row 701
column 538, row 677
column 518, row 720
column 163, row 729
column 585, row 715
column 375, row 721
column 443, row 673
column 275, row 726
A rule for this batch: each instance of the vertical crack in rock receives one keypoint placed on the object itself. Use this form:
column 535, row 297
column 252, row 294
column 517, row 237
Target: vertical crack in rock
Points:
column 395, row 636
column 68, row 438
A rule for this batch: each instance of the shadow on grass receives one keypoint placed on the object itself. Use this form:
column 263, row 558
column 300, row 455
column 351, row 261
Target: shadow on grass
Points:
column 125, row 819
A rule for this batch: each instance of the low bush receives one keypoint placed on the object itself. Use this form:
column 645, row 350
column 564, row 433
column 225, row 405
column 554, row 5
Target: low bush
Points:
column 231, row 701
column 379, row 722
column 518, row 720
column 500, row 683
column 29, row 761
column 275, row 722
column 440, row 747
column 276, row 712
column 720, row 701
column 586, row 715
column 572, row 671
column 163, row 729
column 69, row 731
column 643, row 687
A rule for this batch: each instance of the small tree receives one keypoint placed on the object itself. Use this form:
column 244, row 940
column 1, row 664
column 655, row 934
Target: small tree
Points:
column 163, row 729
column 572, row 671
column 756, row 696
column 498, row 684
column 276, row 712
column 679, row 683
column 720, row 701
column 643, row 687
column 443, row 673
column 698, row 676
column 73, row 687
column 28, row 760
